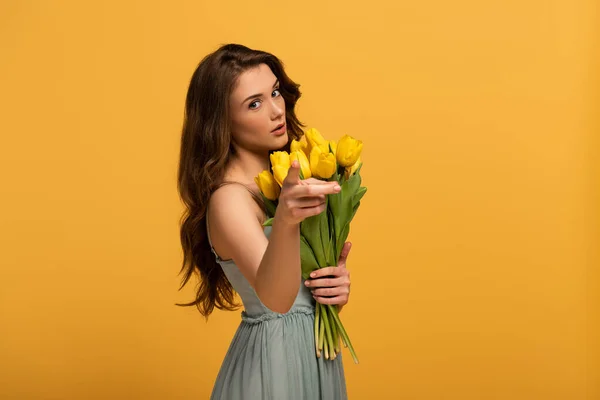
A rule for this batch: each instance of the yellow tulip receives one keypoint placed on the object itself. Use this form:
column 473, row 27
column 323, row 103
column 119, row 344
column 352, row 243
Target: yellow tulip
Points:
column 322, row 162
column 348, row 151
column 268, row 185
column 349, row 171
column 300, row 145
column 280, row 163
column 333, row 146
column 314, row 138
column 303, row 161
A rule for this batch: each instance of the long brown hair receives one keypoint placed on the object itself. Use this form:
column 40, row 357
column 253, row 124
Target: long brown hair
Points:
column 205, row 152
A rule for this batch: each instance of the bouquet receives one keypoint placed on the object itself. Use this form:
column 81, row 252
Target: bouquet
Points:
column 321, row 236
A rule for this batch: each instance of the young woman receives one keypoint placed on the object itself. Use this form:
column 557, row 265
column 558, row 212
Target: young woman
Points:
column 240, row 108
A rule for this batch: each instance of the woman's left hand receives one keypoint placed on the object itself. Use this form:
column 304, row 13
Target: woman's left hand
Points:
column 331, row 285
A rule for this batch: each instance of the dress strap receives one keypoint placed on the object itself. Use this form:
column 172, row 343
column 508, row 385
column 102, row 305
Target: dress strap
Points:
column 212, row 249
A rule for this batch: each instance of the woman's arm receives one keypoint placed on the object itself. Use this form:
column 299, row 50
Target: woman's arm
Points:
column 271, row 266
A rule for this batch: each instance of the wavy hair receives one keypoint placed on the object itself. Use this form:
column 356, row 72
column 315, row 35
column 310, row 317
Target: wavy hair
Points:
column 206, row 148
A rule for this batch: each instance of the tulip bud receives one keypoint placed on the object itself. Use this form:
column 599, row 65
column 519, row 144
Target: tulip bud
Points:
column 280, row 163
column 300, row 145
column 314, row 138
column 348, row 151
column 303, row 161
column 267, row 185
column 322, row 162
column 349, row 171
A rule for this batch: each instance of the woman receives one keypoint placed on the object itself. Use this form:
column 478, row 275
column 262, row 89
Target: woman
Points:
column 240, row 108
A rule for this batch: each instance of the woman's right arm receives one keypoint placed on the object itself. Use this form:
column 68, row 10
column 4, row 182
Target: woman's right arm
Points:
column 271, row 266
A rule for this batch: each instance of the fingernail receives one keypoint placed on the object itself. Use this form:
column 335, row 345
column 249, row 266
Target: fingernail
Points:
column 336, row 187
column 306, row 283
column 313, row 275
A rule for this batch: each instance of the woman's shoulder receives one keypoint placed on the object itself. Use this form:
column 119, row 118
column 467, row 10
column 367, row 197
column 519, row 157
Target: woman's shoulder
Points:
column 233, row 219
column 226, row 190
column 232, row 197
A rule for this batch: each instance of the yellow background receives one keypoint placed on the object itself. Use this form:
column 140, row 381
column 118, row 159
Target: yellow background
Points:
column 475, row 255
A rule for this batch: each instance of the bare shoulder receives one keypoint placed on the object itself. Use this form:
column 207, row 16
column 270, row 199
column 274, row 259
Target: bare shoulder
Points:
column 236, row 231
column 233, row 199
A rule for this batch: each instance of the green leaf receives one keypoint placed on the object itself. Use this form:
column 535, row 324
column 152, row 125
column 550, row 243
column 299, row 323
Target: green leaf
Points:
column 340, row 174
column 310, row 229
column 329, row 250
column 308, row 261
column 325, row 235
column 342, row 207
column 335, row 204
column 354, row 182
column 359, row 194
column 342, row 235
column 268, row 222
column 270, row 205
column 354, row 210
column 358, row 169
column 335, row 176
column 332, row 237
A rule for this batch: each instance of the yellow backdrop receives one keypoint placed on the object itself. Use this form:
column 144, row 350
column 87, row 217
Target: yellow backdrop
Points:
column 475, row 251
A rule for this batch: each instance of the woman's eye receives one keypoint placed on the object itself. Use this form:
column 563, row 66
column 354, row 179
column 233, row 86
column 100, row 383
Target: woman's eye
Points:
column 254, row 105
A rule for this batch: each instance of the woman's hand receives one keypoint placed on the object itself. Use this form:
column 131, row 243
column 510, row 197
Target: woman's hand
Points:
column 302, row 198
column 331, row 285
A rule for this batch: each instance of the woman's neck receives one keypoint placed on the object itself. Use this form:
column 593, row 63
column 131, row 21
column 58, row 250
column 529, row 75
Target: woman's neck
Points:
column 245, row 165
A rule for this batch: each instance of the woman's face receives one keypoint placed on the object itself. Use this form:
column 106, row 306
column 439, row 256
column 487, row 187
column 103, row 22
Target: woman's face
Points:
column 257, row 110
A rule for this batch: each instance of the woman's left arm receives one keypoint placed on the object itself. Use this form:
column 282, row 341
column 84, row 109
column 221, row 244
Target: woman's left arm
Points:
column 331, row 285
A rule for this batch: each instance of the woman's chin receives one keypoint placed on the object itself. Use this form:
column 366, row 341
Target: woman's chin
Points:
column 281, row 141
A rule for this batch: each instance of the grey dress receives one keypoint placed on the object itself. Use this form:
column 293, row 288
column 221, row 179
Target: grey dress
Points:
column 272, row 355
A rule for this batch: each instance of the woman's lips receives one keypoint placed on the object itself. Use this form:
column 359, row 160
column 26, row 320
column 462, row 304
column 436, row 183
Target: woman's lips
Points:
column 279, row 131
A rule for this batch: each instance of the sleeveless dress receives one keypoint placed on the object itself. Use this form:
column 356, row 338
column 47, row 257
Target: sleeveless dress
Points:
column 272, row 355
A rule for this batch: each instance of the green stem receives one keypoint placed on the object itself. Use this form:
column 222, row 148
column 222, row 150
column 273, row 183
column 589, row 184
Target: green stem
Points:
column 326, row 350
column 321, row 332
column 333, row 311
column 317, row 317
column 325, row 319
column 344, row 341
column 335, row 333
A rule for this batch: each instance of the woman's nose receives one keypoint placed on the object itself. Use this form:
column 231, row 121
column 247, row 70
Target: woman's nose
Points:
column 277, row 107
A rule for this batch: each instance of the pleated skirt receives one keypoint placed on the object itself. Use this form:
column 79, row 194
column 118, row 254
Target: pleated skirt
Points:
column 272, row 356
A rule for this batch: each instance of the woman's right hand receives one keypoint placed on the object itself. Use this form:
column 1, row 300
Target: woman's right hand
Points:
column 302, row 198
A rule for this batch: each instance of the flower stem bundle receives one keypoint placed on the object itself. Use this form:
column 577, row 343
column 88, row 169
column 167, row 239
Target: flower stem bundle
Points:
column 322, row 236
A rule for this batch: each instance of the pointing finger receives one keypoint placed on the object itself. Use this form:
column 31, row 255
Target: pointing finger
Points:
column 317, row 190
